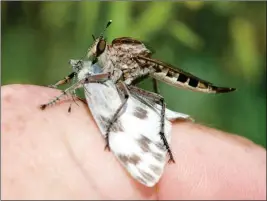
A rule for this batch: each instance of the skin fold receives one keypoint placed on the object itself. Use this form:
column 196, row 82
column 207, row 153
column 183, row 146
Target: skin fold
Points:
column 53, row 154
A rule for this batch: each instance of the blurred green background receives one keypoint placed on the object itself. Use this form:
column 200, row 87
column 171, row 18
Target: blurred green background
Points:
column 223, row 42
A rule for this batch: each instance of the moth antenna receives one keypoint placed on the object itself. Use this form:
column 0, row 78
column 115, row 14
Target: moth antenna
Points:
column 108, row 24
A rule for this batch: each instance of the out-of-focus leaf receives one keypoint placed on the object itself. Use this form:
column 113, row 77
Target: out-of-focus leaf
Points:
column 87, row 18
column 194, row 5
column 153, row 19
column 185, row 35
column 225, row 7
column 120, row 14
column 3, row 11
column 55, row 14
column 245, row 50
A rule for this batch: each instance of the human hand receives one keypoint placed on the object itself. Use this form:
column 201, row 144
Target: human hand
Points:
column 54, row 154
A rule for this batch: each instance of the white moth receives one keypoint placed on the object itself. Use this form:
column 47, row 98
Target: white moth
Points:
column 134, row 137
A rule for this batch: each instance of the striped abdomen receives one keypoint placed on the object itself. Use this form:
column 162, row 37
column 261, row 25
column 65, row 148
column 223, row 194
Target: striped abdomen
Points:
column 178, row 78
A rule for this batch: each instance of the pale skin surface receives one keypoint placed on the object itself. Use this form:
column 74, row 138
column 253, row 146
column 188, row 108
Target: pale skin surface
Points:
column 54, row 154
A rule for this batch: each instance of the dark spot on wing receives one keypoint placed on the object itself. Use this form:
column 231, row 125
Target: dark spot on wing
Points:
column 141, row 179
column 140, row 113
column 105, row 121
column 155, row 169
column 193, row 82
column 182, row 78
column 144, row 144
column 117, row 126
column 147, row 176
column 158, row 156
column 133, row 159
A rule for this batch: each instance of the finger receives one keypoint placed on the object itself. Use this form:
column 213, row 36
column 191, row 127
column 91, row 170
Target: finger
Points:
column 53, row 154
column 105, row 179
column 211, row 164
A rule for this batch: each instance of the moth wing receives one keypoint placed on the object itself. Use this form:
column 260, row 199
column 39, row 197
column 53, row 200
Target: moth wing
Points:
column 173, row 115
column 134, row 138
column 136, row 142
column 102, row 100
column 169, row 114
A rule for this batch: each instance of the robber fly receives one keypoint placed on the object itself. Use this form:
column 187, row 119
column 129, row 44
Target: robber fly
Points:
column 130, row 60
column 133, row 135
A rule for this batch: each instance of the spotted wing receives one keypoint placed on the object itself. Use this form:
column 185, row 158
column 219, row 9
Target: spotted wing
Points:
column 134, row 138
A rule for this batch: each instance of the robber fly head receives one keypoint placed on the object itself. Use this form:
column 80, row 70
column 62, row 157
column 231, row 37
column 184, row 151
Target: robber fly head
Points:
column 98, row 46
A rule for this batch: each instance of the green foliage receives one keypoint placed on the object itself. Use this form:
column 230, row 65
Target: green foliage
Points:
column 223, row 42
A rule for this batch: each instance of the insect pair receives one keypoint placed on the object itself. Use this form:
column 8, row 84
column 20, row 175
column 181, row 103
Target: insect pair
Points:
column 109, row 79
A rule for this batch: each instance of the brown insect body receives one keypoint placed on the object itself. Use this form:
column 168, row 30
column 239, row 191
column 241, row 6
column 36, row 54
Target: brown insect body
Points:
column 129, row 59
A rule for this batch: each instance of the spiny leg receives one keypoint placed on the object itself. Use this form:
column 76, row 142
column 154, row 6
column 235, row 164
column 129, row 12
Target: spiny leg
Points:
column 80, row 99
column 59, row 97
column 66, row 80
column 73, row 94
column 89, row 79
column 158, row 99
column 125, row 92
column 63, row 81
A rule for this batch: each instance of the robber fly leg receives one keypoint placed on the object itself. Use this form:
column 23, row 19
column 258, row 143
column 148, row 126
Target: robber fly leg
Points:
column 123, row 89
column 63, row 81
column 66, row 92
column 160, row 100
column 155, row 86
column 69, row 91
column 73, row 95
column 96, row 78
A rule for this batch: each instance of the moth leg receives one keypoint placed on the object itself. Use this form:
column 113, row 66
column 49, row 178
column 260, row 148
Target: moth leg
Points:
column 124, row 90
column 63, row 81
column 160, row 100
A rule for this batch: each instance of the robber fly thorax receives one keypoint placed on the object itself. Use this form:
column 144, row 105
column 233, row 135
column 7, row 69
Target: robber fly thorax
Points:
column 119, row 58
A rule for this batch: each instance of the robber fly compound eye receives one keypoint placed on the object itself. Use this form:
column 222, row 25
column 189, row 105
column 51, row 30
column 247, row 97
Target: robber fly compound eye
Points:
column 100, row 47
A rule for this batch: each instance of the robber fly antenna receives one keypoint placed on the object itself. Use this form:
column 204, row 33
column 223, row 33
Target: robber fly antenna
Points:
column 109, row 23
